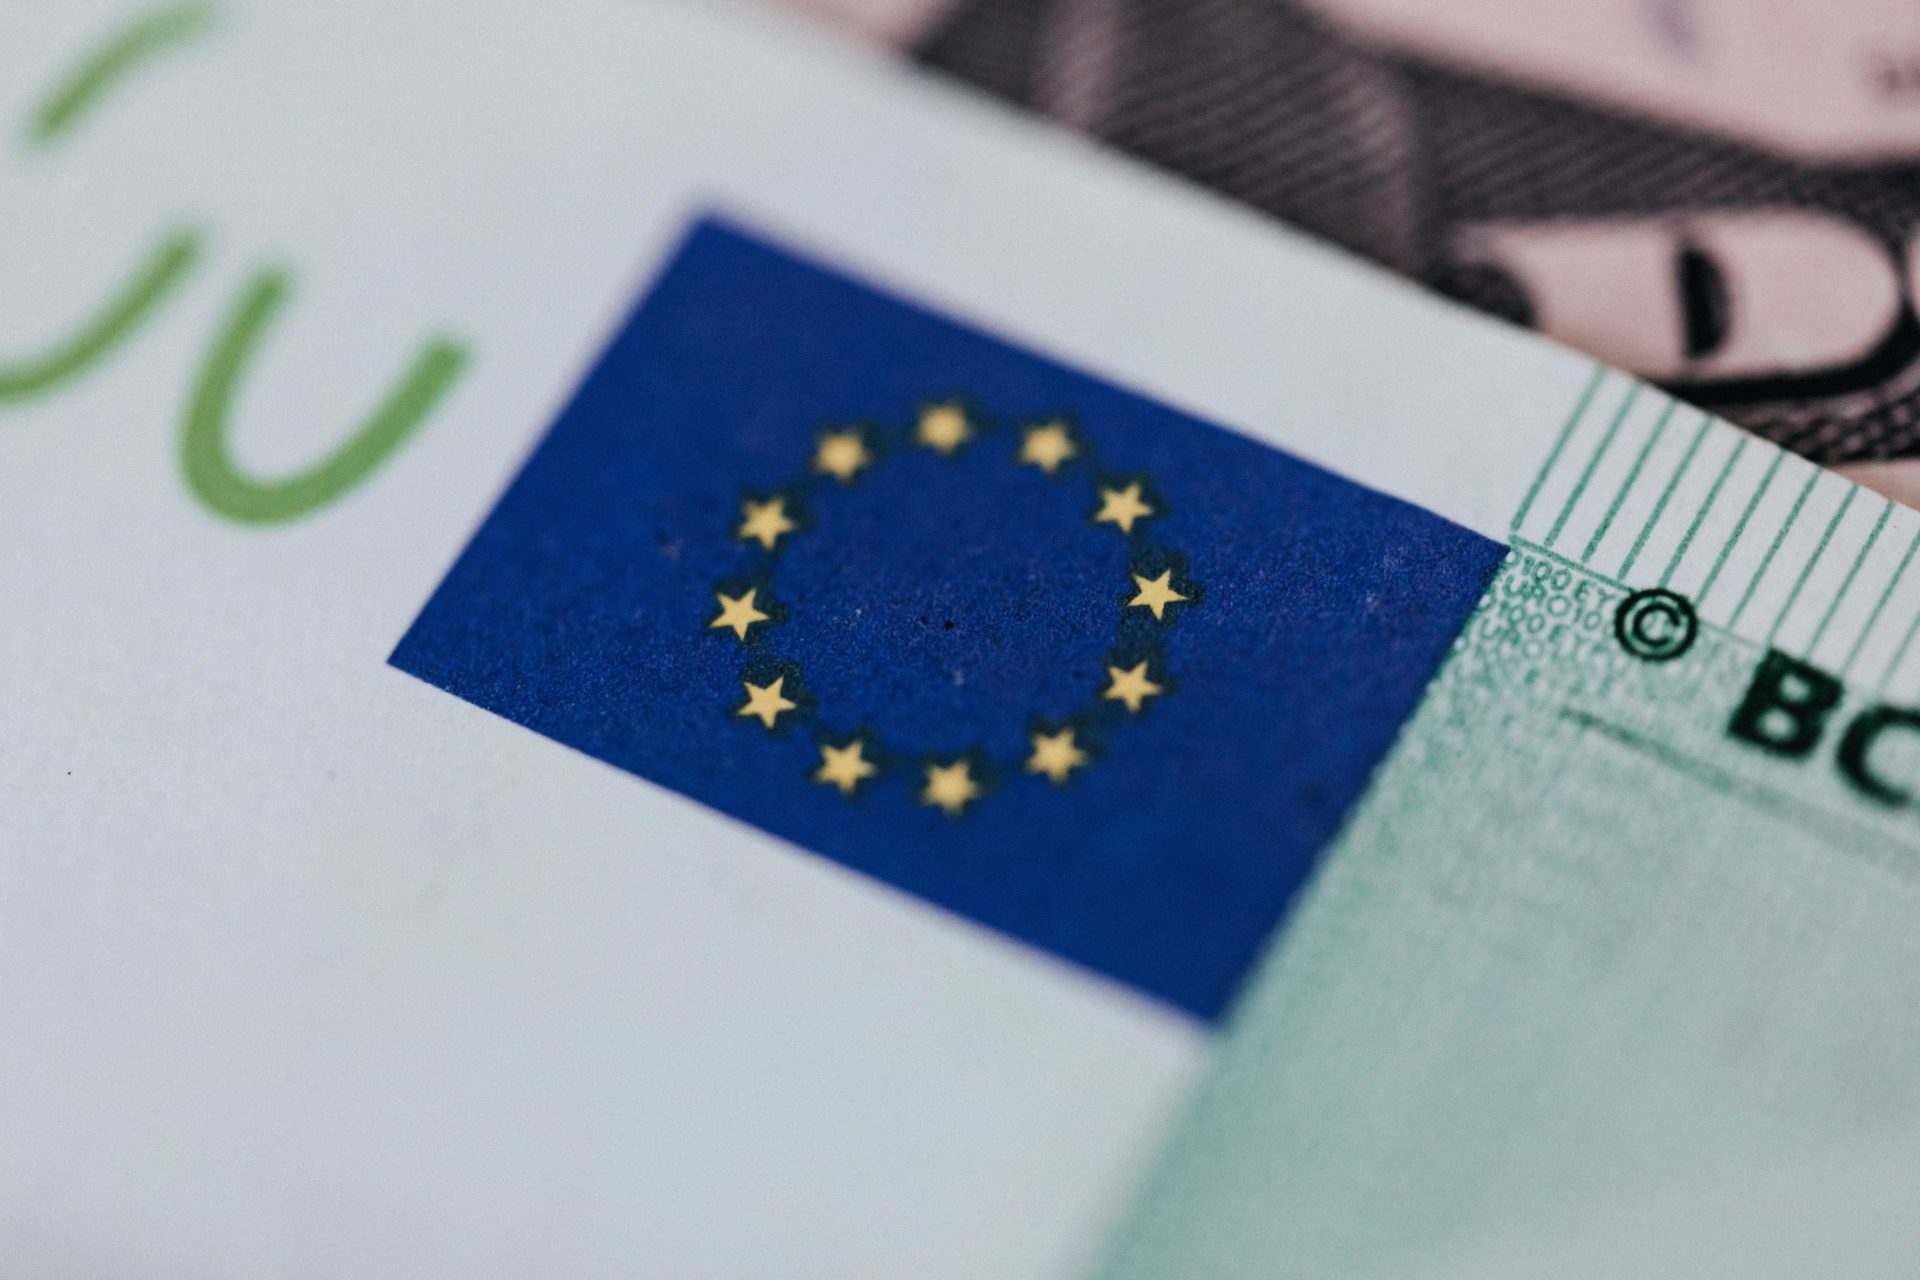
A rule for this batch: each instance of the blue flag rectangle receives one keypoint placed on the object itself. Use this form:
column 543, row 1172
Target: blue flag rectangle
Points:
column 1042, row 651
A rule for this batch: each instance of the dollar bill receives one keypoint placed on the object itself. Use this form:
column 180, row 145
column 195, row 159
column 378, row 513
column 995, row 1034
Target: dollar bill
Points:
column 640, row 643
column 1719, row 197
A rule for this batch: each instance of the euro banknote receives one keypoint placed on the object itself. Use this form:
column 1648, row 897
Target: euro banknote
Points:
column 1715, row 195
column 640, row 642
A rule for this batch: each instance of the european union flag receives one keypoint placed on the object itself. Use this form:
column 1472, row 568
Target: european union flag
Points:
column 1063, row 660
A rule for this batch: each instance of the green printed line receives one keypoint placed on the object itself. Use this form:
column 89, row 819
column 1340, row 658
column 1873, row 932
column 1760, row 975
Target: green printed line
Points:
column 1839, row 831
column 1846, row 583
column 205, row 448
column 1566, row 433
column 1860, row 641
column 1633, row 474
column 140, row 41
column 1740, row 526
column 1666, row 496
column 1819, row 550
column 1773, row 549
column 1700, row 516
column 145, row 289
column 1606, row 442
column 1893, row 665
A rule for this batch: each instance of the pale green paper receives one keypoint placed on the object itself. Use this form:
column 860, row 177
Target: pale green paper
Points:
column 1588, row 984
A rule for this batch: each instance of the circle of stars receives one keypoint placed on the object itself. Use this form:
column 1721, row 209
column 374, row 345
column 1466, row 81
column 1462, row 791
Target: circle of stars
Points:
column 1057, row 753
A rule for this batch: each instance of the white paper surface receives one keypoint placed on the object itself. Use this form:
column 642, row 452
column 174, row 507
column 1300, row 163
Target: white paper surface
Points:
column 307, row 968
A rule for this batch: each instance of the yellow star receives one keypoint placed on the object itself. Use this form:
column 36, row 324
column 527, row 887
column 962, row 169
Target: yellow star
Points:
column 944, row 427
column 1121, row 507
column 1055, row 755
column 766, row 701
column 1047, row 446
column 844, row 767
column 1155, row 595
column 1131, row 687
column 766, row 521
column 841, row 454
column 950, row 786
column 738, row 612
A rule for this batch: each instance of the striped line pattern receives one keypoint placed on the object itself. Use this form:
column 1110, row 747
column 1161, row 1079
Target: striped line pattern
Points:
column 1644, row 491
